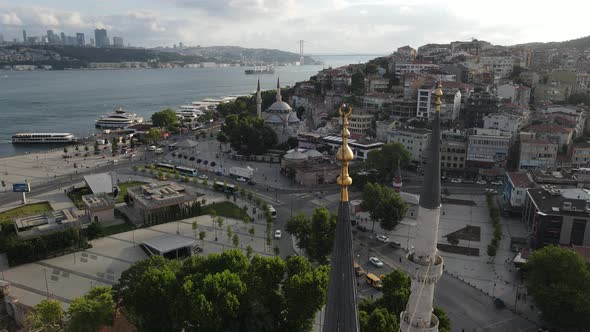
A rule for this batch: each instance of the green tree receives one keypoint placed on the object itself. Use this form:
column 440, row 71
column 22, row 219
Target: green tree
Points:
column 94, row 230
column 248, row 134
column 249, row 251
column 202, row 235
column 357, row 85
column 384, row 205
column 149, row 290
column 235, row 240
column 134, row 168
column 559, row 281
column 165, row 119
column 380, row 320
column 154, row 135
column 444, row 323
column 229, row 232
column 315, row 236
column 47, row 316
column 387, row 159
column 89, row 312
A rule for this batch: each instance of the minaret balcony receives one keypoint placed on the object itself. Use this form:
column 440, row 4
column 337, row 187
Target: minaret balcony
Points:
column 422, row 271
column 418, row 326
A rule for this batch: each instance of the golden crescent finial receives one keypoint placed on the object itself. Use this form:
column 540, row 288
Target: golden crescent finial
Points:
column 344, row 154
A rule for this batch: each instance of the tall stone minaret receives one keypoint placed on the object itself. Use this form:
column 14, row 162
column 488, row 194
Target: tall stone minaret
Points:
column 279, row 98
column 341, row 305
column 425, row 266
column 258, row 102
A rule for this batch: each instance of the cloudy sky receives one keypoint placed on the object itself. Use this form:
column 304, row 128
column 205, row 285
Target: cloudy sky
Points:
column 327, row 26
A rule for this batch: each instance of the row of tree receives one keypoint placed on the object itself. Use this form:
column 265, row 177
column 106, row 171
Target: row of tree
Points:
column 247, row 134
column 223, row 292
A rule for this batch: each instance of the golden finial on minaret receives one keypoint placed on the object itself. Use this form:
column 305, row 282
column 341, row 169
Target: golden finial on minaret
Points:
column 438, row 93
column 344, row 154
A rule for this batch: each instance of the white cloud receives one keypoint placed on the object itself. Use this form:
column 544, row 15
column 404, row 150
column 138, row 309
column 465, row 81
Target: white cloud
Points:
column 10, row 19
column 327, row 25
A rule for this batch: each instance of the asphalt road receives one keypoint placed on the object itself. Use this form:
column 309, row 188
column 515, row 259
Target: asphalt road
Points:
column 467, row 308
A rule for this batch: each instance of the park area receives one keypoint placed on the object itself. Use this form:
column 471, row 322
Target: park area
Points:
column 25, row 210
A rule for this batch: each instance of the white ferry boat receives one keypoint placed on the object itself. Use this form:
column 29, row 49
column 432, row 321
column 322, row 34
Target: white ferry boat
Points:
column 43, row 138
column 118, row 119
column 188, row 113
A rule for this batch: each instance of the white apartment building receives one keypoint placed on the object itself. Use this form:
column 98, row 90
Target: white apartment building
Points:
column 501, row 66
column 520, row 95
column 424, row 103
column 413, row 67
column 413, row 139
column 511, row 123
column 360, row 123
column 580, row 154
column 537, row 153
column 515, row 188
column 487, row 148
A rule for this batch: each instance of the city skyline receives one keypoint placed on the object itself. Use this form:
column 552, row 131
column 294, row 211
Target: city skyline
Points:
column 329, row 26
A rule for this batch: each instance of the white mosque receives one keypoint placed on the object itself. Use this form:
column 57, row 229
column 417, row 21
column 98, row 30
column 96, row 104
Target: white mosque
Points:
column 279, row 116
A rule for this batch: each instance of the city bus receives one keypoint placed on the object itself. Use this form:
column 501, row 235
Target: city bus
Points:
column 186, row 171
column 165, row 167
column 225, row 187
column 273, row 212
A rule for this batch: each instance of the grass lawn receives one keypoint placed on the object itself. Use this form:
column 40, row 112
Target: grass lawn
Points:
column 226, row 209
column 115, row 229
column 25, row 210
column 123, row 189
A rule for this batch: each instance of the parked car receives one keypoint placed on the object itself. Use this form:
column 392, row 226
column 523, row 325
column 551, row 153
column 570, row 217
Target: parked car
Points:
column 395, row 245
column 241, row 179
column 469, row 181
column 376, row 261
column 496, row 183
column 152, row 148
column 358, row 270
column 278, row 234
column 491, row 191
column 250, row 182
column 382, row 238
column 374, row 281
column 482, row 182
column 499, row 303
column 203, row 177
column 362, row 228
column 456, row 181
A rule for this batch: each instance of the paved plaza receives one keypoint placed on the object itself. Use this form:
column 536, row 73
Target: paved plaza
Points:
column 69, row 276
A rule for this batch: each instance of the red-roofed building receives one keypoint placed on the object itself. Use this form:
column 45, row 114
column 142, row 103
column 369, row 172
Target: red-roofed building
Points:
column 515, row 187
column 560, row 135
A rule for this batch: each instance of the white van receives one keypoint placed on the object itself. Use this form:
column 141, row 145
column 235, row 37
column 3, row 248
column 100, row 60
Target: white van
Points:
column 273, row 212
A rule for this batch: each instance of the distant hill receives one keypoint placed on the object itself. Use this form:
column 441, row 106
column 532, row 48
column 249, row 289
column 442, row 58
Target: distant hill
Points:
column 235, row 54
column 579, row 43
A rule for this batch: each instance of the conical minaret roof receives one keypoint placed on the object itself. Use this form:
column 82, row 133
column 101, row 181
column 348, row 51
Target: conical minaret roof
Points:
column 341, row 306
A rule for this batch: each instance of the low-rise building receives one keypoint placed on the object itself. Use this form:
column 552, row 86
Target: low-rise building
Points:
column 580, row 154
column 516, row 185
column 401, row 108
column 416, row 67
column 360, row 124
column 516, row 94
column 537, row 153
column 155, row 200
column 511, row 122
column 99, row 208
column 37, row 225
column 362, row 147
column 560, row 135
column 557, row 216
column 487, row 148
column 414, row 140
column 375, row 100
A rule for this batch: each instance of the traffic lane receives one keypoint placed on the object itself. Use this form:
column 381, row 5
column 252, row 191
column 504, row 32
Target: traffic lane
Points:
column 466, row 307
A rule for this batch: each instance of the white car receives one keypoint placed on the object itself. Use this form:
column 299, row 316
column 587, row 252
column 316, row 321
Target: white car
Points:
column 241, row 179
column 481, row 182
column 203, row 177
column 152, row 148
column 278, row 234
column 376, row 261
column 491, row 191
column 456, row 181
column 496, row 183
column 382, row 238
